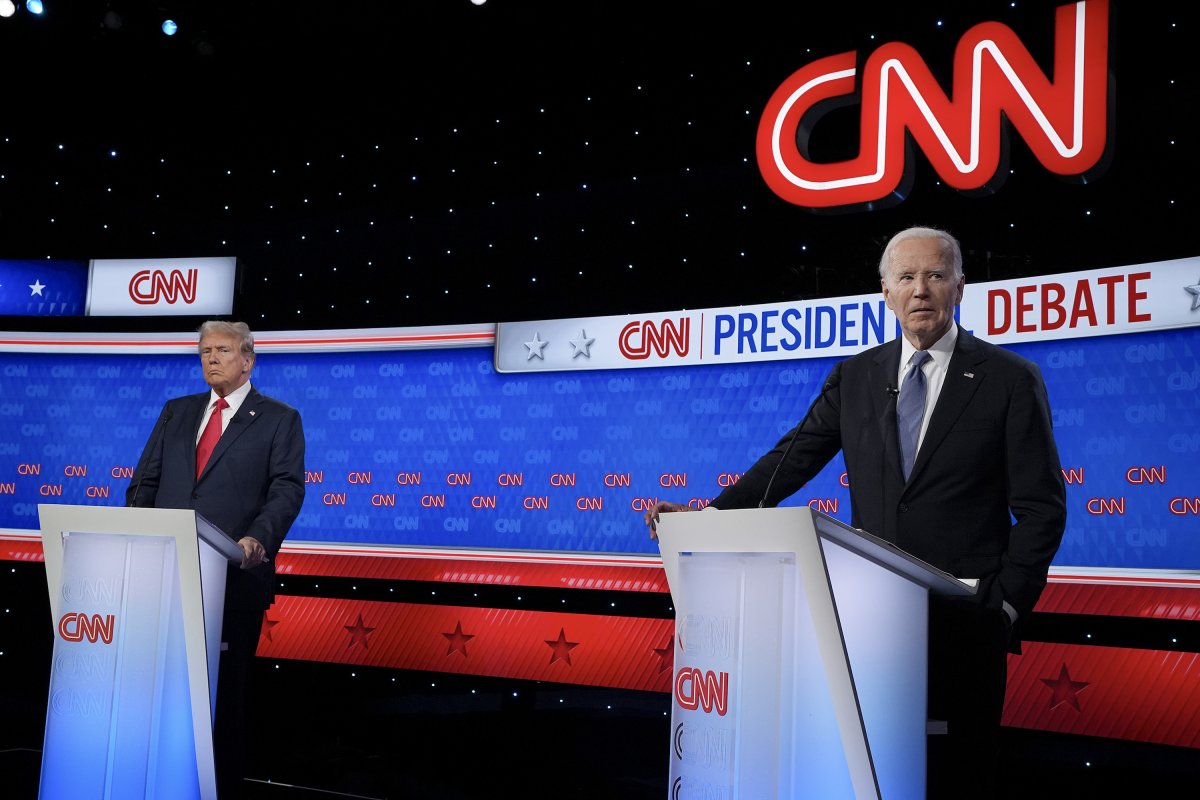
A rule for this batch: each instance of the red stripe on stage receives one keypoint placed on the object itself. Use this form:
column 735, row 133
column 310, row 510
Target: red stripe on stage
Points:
column 21, row 547
column 1150, row 602
column 1144, row 695
column 551, row 573
column 618, row 652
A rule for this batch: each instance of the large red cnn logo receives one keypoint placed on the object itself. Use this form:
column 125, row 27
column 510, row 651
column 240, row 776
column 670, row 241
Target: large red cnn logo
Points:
column 638, row 339
column 152, row 286
column 75, row 627
column 1063, row 119
column 708, row 690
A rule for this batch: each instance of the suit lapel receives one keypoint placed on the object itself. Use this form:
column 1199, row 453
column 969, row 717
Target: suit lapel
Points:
column 247, row 414
column 190, row 422
column 964, row 376
column 882, row 379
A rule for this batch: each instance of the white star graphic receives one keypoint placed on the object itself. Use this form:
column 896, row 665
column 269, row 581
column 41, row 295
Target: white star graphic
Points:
column 580, row 344
column 36, row 288
column 1194, row 291
column 536, row 347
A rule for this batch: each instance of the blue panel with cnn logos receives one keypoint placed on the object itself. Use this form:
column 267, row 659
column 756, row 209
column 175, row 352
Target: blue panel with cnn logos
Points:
column 435, row 448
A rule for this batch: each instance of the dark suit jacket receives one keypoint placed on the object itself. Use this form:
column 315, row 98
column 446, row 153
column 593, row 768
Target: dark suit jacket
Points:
column 253, row 484
column 986, row 497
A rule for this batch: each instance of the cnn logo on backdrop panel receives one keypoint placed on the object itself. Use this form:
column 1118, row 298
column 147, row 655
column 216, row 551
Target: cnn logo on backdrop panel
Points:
column 1063, row 117
column 161, row 287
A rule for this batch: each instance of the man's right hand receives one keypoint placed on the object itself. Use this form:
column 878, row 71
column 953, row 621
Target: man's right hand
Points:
column 662, row 507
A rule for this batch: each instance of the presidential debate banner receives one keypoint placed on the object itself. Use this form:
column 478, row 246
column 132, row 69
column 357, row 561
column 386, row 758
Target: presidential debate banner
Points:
column 539, row 436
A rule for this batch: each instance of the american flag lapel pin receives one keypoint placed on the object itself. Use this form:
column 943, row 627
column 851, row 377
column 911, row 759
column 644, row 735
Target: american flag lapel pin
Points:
column 252, row 413
column 965, row 375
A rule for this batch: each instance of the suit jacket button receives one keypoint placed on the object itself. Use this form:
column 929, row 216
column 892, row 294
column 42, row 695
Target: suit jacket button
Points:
column 195, row 496
column 903, row 506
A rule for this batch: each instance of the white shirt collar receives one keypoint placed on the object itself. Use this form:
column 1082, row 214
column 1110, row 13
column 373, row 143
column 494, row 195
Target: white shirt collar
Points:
column 941, row 350
column 234, row 398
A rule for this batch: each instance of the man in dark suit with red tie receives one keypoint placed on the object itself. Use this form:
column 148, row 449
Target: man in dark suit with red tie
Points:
column 950, row 455
column 237, row 458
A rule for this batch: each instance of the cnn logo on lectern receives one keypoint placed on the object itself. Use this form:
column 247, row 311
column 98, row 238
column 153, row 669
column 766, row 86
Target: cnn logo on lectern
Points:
column 705, row 690
column 75, row 627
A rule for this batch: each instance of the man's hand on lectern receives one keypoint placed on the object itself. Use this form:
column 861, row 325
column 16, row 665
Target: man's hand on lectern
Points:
column 662, row 507
column 255, row 553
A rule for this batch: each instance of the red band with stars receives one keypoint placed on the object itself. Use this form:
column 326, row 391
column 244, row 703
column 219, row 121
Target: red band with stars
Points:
column 1147, row 695
column 594, row 650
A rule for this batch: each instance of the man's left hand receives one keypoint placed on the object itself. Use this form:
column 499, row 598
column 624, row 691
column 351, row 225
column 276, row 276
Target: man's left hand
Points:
column 253, row 552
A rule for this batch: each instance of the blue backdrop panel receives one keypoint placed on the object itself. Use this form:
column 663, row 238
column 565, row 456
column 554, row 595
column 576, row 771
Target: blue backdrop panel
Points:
column 43, row 288
column 435, row 448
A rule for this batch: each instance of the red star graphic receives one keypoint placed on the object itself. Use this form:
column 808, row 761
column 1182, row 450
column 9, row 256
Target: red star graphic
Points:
column 1064, row 689
column 358, row 633
column 267, row 624
column 666, row 655
column 458, row 640
column 561, row 647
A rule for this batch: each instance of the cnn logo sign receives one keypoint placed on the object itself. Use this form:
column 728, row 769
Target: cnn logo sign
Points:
column 1063, row 118
column 638, row 340
column 148, row 287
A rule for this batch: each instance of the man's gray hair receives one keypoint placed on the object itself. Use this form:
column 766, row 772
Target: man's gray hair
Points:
column 238, row 330
column 950, row 248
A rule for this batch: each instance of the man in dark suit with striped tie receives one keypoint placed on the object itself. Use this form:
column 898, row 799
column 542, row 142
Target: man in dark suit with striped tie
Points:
column 950, row 455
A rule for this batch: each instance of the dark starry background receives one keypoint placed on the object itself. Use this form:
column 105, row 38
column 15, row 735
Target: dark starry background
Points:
column 433, row 162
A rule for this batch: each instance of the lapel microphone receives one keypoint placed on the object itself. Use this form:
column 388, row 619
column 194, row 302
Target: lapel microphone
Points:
column 154, row 439
column 830, row 383
column 892, row 390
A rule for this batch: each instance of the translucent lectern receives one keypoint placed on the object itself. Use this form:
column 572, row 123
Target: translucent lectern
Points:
column 800, row 657
column 136, row 598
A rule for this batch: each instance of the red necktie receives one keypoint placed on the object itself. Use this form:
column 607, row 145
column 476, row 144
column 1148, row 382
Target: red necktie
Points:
column 208, row 439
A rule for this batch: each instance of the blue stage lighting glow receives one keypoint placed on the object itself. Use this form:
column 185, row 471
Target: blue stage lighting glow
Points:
column 35, row 6
column 169, row 27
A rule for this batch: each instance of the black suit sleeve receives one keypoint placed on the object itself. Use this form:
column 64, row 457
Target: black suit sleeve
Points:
column 285, row 484
column 818, row 442
column 1036, row 496
column 143, row 486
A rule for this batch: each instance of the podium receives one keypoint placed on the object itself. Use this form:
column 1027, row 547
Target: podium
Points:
column 800, row 657
column 136, row 597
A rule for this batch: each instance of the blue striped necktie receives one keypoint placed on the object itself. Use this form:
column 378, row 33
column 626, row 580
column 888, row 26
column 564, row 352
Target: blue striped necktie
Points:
column 910, row 410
